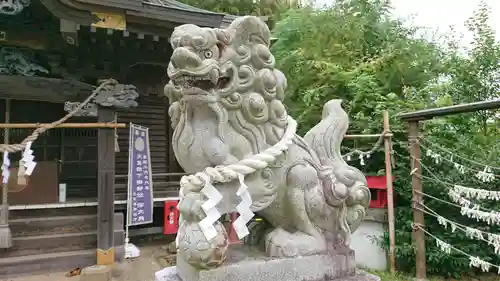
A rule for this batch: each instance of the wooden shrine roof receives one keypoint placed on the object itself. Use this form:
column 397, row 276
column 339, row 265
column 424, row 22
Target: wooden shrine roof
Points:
column 163, row 13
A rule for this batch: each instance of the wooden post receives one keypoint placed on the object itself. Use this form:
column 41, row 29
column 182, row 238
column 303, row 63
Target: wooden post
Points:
column 5, row 231
column 106, row 188
column 418, row 215
column 390, row 197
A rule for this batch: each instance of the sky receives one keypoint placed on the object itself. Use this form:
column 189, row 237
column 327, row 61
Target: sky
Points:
column 440, row 14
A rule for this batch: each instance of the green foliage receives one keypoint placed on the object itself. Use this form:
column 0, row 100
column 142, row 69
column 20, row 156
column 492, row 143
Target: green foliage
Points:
column 270, row 8
column 355, row 51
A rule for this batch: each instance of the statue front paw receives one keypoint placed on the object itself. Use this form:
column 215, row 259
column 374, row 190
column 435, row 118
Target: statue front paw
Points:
column 281, row 243
column 355, row 215
column 335, row 192
column 197, row 251
column 190, row 207
column 359, row 194
column 357, row 203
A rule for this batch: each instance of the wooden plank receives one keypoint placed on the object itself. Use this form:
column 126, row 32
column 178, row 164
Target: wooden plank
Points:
column 142, row 119
column 64, row 125
column 106, row 189
column 141, row 109
column 151, row 116
column 24, row 37
column 163, row 14
column 146, row 231
column 426, row 114
column 43, row 89
column 123, row 4
column 390, row 203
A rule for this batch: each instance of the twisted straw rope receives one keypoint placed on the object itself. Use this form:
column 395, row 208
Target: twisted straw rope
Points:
column 194, row 183
column 12, row 148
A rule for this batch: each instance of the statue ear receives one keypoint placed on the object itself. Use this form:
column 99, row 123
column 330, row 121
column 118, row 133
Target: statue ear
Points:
column 223, row 36
column 250, row 30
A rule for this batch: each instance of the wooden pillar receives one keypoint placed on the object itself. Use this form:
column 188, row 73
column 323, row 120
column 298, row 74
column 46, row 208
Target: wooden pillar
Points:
column 106, row 188
column 390, row 196
column 418, row 215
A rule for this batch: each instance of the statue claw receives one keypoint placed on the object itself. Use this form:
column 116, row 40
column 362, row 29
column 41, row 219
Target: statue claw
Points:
column 281, row 243
column 190, row 207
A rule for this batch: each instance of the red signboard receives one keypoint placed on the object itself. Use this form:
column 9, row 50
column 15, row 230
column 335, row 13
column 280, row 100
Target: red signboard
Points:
column 378, row 190
column 171, row 220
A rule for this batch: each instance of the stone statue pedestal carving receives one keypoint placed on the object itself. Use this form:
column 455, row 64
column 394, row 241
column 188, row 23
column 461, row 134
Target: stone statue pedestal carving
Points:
column 244, row 263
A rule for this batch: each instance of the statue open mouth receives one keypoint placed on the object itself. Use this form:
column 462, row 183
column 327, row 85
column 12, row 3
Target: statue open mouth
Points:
column 206, row 83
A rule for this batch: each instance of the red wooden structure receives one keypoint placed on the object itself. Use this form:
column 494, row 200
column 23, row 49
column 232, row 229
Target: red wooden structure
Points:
column 378, row 189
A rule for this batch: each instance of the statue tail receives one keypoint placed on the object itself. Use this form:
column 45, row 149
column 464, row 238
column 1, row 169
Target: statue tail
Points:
column 325, row 139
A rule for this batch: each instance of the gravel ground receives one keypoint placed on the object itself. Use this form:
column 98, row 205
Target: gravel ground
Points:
column 153, row 258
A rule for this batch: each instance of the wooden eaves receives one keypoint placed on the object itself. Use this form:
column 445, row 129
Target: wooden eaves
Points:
column 137, row 13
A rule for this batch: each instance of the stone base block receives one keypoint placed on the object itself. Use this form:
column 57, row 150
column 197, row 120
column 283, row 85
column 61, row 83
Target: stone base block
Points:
column 245, row 264
column 170, row 274
column 96, row 273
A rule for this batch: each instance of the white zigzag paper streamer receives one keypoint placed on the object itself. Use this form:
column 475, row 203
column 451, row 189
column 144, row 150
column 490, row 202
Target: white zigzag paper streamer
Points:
column 240, row 224
column 486, row 175
column 213, row 215
column 475, row 193
column 5, row 168
column 28, row 159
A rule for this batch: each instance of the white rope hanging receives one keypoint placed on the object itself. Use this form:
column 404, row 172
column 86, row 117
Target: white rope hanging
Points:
column 461, row 195
column 455, row 155
column 475, row 193
column 485, row 175
column 27, row 159
column 363, row 155
column 474, row 211
column 467, row 208
column 491, row 239
column 473, row 261
column 491, row 218
column 5, row 168
column 224, row 174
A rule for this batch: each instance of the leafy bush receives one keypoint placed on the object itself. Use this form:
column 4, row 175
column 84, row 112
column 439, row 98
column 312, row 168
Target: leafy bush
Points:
column 355, row 51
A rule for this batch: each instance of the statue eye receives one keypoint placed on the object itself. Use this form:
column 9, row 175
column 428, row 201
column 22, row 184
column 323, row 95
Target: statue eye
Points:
column 208, row 54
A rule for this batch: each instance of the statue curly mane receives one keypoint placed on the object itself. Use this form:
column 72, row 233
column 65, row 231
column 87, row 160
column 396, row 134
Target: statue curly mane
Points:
column 255, row 109
column 253, row 103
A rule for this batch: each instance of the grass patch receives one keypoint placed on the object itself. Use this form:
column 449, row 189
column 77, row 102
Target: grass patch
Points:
column 387, row 276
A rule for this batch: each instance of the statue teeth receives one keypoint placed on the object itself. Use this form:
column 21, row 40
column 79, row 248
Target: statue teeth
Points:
column 213, row 76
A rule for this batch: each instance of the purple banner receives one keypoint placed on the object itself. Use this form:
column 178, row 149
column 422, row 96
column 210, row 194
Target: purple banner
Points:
column 140, row 184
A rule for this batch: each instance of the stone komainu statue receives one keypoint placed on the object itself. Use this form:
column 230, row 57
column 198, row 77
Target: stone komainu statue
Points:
column 226, row 106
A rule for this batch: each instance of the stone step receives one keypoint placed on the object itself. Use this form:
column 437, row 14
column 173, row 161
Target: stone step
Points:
column 55, row 243
column 36, row 226
column 23, row 227
column 47, row 263
column 52, row 212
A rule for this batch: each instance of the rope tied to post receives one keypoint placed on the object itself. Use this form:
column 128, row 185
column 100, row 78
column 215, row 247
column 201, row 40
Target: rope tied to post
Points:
column 13, row 148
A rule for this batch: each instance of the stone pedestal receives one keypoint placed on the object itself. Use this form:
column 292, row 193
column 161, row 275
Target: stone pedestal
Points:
column 245, row 264
column 96, row 273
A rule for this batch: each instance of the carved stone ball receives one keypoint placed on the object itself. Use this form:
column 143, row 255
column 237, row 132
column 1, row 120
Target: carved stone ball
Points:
column 197, row 251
